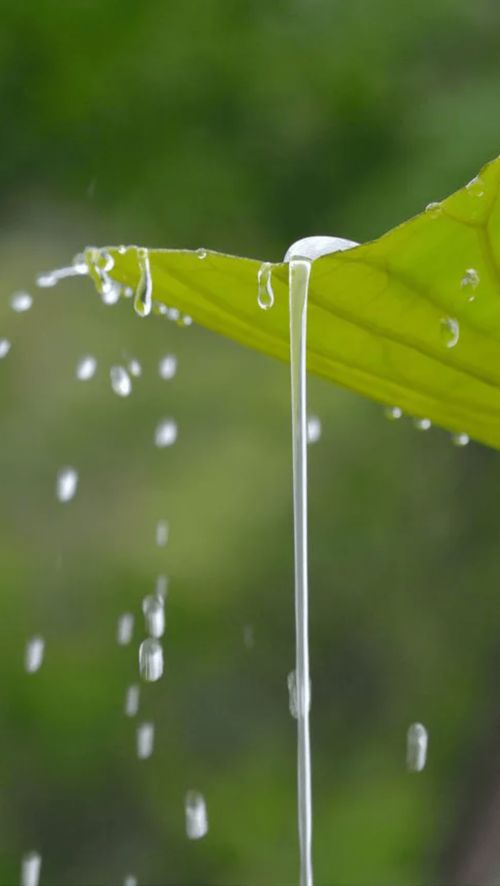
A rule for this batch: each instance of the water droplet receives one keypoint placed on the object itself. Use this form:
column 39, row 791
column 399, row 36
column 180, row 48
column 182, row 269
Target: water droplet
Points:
column 145, row 738
column 248, row 636
column 150, row 660
column 166, row 433
column 135, row 368
column 167, row 367
column 143, row 299
column 4, row 347
column 153, row 608
column 66, row 484
column 86, row 367
column 30, row 869
column 201, row 252
column 121, row 250
column 162, row 530
column 33, row 654
column 416, row 747
column 460, row 439
column 450, row 331
column 434, row 209
column 125, row 629
column 130, row 880
column 21, row 302
column 475, row 187
column 120, row 381
column 265, row 294
column 161, row 586
column 196, row 815
column 313, row 429
column 470, row 282
column 422, row 424
column 185, row 321
column 110, row 292
column 393, row 413
column 132, row 698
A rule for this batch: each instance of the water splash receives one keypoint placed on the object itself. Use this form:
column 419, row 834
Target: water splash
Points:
column 21, row 302
column 121, row 382
column 145, row 739
column 150, row 660
column 86, row 368
column 196, row 815
column 66, row 484
column 265, row 292
column 125, row 629
column 165, row 433
column 143, row 299
column 31, row 866
column 416, row 747
column 33, row 654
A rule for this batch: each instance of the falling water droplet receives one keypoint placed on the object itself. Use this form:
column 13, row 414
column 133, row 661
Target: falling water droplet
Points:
column 145, row 738
column 33, row 654
column 110, row 292
column 86, row 367
column 161, row 586
column 4, row 347
column 21, row 302
column 434, row 209
column 143, row 299
column 393, row 413
column 132, row 697
column 460, row 439
column 135, row 368
column 150, row 660
column 292, row 694
column 265, row 294
column 166, row 433
column 475, row 187
column 162, row 531
column 422, row 424
column 470, row 282
column 120, row 381
column 167, row 367
column 66, row 484
column 125, row 629
column 201, row 252
column 450, row 331
column 153, row 608
column 313, row 429
column 416, row 747
column 30, row 869
column 130, row 880
column 196, row 815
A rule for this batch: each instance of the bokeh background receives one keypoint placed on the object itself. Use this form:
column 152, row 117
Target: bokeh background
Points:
column 238, row 126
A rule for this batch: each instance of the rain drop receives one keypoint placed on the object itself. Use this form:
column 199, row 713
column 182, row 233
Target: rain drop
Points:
column 162, row 531
column 166, row 433
column 313, row 429
column 196, row 815
column 4, row 347
column 153, row 608
column 470, row 282
column 265, row 294
column 450, row 331
column 167, row 367
column 422, row 424
column 66, row 484
column 33, row 655
column 125, row 629
column 416, row 747
column 120, row 381
column 150, row 660
column 132, row 697
column 393, row 413
column 21, row 302
column 145, row 738
column 86, row 368
column 460, row 439
column 143, row 299
column 30, row 869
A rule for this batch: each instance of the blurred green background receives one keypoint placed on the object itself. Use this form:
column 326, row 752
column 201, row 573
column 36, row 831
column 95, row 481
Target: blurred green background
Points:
column 238, row 126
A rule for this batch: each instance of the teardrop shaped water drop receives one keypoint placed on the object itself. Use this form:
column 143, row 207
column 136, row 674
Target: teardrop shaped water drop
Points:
column 416, row 747
column 450, row 331
column 143, row 299
column 150, row 660
column 66, row 484
column 265, row 293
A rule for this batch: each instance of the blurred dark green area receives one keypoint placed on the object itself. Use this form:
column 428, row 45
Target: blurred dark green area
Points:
column 241, row 127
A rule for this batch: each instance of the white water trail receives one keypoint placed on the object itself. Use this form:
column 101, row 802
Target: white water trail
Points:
column 299, row 273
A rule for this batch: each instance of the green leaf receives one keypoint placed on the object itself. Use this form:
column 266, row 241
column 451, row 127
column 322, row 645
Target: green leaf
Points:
column 410, row 320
